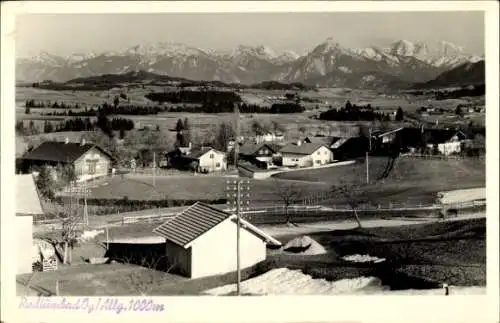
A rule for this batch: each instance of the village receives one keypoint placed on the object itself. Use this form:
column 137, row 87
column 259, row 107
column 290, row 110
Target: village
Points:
column 158, row 159
column 176, row 239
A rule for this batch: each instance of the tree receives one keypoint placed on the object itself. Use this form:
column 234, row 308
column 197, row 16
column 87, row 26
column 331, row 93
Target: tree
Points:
column 399, row 114
column 458, row 111
column 179, row 126
column 33, row 130
column 348, row 105
column 122, row 132
column 277, row 127
column 354, row 194
column 288, row 193
column 186, row 124
column 27, row 110
column 257, row 128
column 302, row 130
column 45, row 182
column 103, row 123
column 116, row 101
column 224, row 134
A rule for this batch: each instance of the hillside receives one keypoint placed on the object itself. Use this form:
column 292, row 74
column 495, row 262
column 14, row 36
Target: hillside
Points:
column 464, row 75
column 140, row 78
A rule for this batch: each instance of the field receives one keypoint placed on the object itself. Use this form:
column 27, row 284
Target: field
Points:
column 189, row 188
column 411, row 180
column 205, row 123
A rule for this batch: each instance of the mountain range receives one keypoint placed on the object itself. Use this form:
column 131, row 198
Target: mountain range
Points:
column 327, row 64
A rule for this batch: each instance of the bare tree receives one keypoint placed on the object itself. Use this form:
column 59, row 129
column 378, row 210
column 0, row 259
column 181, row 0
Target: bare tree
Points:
column 288, row 193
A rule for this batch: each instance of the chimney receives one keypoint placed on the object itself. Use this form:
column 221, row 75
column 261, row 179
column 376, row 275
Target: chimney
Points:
column 190, row 145
column 66, row 140
column 82, row 142
column 299, row 142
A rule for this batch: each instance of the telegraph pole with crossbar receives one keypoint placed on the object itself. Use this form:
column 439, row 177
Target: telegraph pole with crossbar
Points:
column 236, row 192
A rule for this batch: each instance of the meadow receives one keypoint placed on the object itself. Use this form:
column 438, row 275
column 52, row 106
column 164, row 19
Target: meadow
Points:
column 205, row 123
column 411, row 181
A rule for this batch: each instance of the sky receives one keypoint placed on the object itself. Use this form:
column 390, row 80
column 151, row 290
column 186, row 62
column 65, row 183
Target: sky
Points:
column 65, row 34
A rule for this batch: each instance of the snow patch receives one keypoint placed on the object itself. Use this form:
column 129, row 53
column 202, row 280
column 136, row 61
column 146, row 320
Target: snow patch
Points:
column 363, row 258
column 304, row 245
column 465, row 195
column 89, row 235
column 283, row 281
column 345, row 69
column 368, row 78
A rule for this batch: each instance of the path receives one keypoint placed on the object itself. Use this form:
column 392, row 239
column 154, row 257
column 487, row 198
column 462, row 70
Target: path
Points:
column 302, row 229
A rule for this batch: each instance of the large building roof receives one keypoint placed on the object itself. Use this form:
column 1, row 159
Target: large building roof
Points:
column 62, row 152
column 251, row 149
column 198, row 219
column 302, row 149
column 27, row 197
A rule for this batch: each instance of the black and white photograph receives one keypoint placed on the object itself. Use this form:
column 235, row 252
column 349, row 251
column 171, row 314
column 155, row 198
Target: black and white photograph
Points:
column 333, row 153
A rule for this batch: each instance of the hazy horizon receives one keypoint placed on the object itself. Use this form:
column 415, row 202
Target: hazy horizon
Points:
column 299, row 32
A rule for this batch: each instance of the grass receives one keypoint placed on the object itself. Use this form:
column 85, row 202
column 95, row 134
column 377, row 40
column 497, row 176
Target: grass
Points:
column 188, row 187
column 411, row 180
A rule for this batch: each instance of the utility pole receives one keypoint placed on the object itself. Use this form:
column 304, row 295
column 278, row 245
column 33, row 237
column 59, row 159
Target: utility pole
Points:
column 237, row 135
column 235, row 192
column 367, row 158
column 154, row 168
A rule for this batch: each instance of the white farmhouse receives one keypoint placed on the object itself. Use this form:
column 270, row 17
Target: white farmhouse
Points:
column 209, row 159
column 201, row 242
column 302, row 154
column 88, row 160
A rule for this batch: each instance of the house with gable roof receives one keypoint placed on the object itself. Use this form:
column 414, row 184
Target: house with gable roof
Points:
column 201, row 242
column 89, row 160
column 304, row 154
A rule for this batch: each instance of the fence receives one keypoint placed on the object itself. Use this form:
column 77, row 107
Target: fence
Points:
column 442, row 157
column 312, row 213
column 175, row 172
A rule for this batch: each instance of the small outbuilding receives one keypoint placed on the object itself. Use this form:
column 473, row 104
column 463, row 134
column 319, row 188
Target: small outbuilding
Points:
column 201, row 241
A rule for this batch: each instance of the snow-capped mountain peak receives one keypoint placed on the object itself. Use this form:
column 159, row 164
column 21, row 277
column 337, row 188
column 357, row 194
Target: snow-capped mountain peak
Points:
column 327, row 63
column 449, row 49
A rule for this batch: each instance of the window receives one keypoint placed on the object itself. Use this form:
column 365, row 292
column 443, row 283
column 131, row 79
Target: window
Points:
column 319, row 152
column 318, row 161
column 326, row 152
column 217, row 165
column 92, row 166
column 211, row 156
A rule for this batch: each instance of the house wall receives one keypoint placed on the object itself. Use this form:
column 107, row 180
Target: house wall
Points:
column 83, row 165
column 449, row 148
column 321, row 156
column 179, row 257
column 24, row 245
column 214, row 252
column 297, row 160
column 217, row 163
